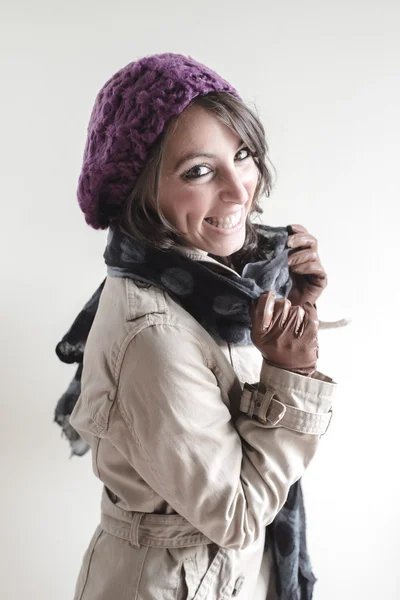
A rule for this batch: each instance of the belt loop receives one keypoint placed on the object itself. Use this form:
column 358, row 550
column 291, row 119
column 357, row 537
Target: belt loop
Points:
column 134, row 531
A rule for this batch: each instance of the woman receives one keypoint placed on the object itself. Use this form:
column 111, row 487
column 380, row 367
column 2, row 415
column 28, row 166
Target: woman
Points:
column 200, row 397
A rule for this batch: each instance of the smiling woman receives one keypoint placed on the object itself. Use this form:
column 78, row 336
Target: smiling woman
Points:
column 201, row 466
column 220, row 128
column 207, row 203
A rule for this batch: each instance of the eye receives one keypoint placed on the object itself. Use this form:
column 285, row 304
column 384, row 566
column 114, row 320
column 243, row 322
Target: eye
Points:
column 195, row 172
column 247, row 152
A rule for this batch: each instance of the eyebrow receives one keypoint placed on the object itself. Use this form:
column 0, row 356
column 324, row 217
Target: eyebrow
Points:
column 191, row 155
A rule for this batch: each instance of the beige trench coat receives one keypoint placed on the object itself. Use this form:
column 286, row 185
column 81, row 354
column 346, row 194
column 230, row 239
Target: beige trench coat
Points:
column 194, row 465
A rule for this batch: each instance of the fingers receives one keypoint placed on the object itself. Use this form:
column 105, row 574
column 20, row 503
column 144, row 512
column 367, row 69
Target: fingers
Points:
column 266, row 305
column 309, row 268
column 299, row 326
column 295, row 320
column 297, row 228
column 277, row 327
column 268, row 312
column 311, row 317
column 285, row 313
column 263, row 311
column 302, row 240
column 306, row 263
column 302, row 256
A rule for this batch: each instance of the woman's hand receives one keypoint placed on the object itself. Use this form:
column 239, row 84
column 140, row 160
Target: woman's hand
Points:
column 308, row 275
column 286, row 335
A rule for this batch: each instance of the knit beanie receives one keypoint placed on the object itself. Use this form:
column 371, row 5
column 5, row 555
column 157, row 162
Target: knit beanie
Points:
column 129, row 114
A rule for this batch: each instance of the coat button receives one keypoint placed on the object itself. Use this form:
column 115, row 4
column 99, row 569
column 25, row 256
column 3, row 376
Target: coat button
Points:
column 238, row 585
column 142, row 284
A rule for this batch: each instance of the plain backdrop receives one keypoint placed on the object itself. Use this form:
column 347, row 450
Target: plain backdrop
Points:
column 324, row 77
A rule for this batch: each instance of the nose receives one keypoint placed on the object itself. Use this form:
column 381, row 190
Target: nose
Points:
column 233, row 188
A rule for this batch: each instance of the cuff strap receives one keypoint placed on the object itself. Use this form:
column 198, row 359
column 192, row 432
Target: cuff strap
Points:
column 270, row 412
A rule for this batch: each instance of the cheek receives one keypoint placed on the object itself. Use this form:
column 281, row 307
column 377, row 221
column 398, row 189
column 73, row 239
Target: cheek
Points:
column 181, row 206
column 170, row 198
column 191, row 215
column 250, row 180
column 253, row 176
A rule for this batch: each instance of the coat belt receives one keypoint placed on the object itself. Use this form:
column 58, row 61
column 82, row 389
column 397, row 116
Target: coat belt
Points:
column 149, row 529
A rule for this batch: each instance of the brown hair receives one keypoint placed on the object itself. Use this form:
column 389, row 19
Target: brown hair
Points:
column 141, row 216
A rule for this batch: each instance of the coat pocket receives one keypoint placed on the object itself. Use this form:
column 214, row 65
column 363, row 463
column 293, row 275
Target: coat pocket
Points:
column 188, row 580
column 205, row 573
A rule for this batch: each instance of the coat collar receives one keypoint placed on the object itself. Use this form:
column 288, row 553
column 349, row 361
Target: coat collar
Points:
column 201, row 255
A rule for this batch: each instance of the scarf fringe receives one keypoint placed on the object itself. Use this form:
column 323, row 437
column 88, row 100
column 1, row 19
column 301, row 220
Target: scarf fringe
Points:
column 333, row 324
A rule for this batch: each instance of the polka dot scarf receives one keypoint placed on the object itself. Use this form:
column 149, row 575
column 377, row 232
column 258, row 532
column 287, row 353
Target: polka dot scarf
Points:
column 217, row 298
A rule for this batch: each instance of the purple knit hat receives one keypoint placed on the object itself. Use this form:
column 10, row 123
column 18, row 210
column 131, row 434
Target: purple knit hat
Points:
column 130, row 112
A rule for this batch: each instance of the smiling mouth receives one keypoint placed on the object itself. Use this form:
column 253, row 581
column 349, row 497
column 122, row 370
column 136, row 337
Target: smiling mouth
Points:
column 225, row 222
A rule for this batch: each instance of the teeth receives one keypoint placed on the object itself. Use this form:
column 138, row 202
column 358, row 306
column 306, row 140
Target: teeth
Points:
column 225, row 222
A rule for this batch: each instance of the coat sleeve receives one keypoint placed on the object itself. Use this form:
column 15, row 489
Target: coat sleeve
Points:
column 229, row 479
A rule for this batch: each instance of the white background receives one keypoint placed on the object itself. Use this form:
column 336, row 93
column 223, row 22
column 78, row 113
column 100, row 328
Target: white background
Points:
column 325, row 80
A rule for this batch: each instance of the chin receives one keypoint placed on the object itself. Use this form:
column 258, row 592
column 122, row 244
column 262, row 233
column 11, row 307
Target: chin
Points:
column 226, row 249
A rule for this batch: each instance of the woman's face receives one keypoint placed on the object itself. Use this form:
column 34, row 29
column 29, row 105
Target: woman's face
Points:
column 207, row 183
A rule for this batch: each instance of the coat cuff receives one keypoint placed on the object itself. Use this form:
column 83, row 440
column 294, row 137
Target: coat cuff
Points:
column 290, row 400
